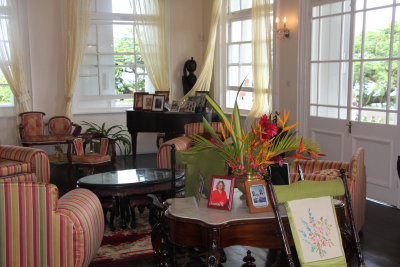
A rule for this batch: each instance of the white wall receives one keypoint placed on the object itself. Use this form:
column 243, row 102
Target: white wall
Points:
column 44, row 17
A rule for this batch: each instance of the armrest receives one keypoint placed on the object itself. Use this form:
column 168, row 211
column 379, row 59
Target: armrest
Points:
column 83, row 208
column 77, row 129
column 164, row 153
column 36, row 157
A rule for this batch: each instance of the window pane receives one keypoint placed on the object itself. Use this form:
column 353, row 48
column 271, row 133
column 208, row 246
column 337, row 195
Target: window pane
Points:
column 236, row 31
column 344, row 83
column 246, row 4
column 89, row 86
column 233, row 76
column 245, row 53
column 313, row 111
column 355, row 115
column 330, row 38
column 123, row 38
column 89, row 60
column 359, row 4
column 392, row 119
column 377, row 33
column 356, row 85
column 5, row 94
column 244, row 100
column 330, row 9
column 246, row 74
column 328, row 86
column 246, row 36
column 233, row 54
column 346, row 5
column 91, row 38
column 125, row 81
column 315, row 11
column 314, row 83
column 343, row 114
column 375, row 85
column 396, row 37
column 234, row 5
column 105, row 38
column 114, row 6
column 346, row 19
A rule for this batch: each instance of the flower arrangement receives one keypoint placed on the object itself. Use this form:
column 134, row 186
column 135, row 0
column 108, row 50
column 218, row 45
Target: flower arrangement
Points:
column 260, row 146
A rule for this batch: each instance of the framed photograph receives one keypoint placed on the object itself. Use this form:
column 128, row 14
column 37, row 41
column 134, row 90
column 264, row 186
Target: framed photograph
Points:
column 175, row 106
column 164, row 93
column 279, row 175
column 158, row 103
column 190, row 106
column 221, row 192
column 147, row 102
column 138, row 100
column 257, row 196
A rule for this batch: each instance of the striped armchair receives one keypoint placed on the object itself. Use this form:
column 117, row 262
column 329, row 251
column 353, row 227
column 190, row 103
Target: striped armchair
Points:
column 23, row 164
column 182, row 143
column 38, row 229
column 323, row 170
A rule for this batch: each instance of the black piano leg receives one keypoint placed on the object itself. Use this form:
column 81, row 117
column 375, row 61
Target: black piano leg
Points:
column 134, row 141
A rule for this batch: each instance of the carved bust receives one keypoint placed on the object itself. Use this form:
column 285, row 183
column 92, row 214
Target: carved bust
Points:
column 188, row 80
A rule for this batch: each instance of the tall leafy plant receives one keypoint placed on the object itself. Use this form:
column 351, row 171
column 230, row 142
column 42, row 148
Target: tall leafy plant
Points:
column 117, row 132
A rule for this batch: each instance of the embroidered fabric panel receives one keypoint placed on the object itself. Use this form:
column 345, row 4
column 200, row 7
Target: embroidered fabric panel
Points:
column 316, row 227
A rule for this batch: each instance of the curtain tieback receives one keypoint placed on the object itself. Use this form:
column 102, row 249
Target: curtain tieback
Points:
column 23, row 98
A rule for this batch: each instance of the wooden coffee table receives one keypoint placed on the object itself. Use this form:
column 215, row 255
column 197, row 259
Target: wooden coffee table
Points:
column 136, row 183
column 187, row 224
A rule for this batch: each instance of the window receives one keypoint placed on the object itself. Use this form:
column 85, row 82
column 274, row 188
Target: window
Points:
column 355, row 60
column 113, row 67
column 238, row 52
column 6, row 96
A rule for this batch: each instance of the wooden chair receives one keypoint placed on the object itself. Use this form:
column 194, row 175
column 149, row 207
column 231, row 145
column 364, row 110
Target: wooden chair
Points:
column 313, row 222
column 101, row 152
column 32, row 129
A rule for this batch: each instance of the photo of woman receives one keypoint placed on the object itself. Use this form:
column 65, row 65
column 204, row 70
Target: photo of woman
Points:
column 221, row 192
column 218, row 196
column 259, row 196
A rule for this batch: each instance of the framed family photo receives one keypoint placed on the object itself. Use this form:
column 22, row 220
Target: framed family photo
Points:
column 221, row 192
column 175, row 106
column 164, row 93
column 147, row 102
column 257, row 196
column 158, row 103
column 138, row 100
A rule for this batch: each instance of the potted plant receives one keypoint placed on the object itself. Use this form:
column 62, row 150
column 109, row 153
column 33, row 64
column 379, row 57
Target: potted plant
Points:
column 116, row 132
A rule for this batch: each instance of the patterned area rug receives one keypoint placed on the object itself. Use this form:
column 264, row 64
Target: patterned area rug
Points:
column 125, row 245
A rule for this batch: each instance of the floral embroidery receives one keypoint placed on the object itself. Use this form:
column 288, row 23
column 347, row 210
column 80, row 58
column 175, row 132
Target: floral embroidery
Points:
column 316, row 234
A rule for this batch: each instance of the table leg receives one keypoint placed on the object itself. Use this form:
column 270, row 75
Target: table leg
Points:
column 122, row 207
column 213, row 253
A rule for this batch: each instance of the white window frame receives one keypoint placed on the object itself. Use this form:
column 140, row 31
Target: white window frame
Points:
column 81, row 102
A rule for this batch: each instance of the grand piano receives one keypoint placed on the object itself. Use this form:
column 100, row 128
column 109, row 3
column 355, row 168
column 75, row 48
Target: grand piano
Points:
column 170, row 123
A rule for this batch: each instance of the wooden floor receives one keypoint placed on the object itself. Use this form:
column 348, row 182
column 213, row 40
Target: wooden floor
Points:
column 380, row 237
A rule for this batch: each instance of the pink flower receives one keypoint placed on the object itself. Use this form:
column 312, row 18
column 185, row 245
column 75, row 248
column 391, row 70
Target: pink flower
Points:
column 264, row 121
column 270, row 131
column 321, row 230
column 314, row 239
column 324, row 243
column 241, row 166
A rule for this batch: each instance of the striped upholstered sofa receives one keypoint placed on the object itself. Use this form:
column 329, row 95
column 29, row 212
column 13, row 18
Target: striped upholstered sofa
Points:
column 323, row 170
column 38, row 229
column 23, row 164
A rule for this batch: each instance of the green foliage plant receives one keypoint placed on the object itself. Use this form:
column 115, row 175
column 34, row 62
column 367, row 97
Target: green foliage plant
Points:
column 116, row 132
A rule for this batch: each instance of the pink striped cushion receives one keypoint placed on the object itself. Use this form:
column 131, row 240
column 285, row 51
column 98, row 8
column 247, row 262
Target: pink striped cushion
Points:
column 39, row 162
column 34, row 233
column 11, row 167
column 26, row 177
column 198, row 128
column 311, row 166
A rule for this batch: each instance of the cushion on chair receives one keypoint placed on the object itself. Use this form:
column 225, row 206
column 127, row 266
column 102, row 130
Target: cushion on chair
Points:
column 59, row 126
column 78, row 145
column 91, row 158
column 198, row 128
column 11, row 167
column 33, row 124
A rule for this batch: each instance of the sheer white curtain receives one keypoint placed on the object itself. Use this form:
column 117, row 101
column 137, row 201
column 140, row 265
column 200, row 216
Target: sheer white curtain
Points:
column 262, row 57
column 204, row 80
column 150, row 31
column 76, row 19
column 12, row 52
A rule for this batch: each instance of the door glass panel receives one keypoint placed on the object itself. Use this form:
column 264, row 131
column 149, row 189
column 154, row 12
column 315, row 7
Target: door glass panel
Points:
column 375, row 77
column 314, row 83
column 315, row 11
column 344, row 82
column 373, row 116
column 356, row 85
column 245, row 53
column 313, row 111
column 327, row 112
column 392, row 119
column 328, row 86
column 233, row 54
column 343, row 114
column 347, row 6
column 359, row 4
column 315, row 39
column 330, row 38
column 236, row 31
column 346, row 28
column 394, row 85
column 355, row 115
column 377, row 33
column 396, row 37
column 358, row 35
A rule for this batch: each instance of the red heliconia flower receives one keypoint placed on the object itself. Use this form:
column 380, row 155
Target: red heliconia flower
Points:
column 270, row 131
column 264, row 120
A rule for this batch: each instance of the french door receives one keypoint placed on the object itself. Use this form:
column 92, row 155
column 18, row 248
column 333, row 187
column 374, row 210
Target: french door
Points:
column 350, row 54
